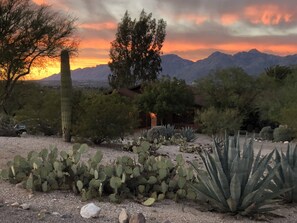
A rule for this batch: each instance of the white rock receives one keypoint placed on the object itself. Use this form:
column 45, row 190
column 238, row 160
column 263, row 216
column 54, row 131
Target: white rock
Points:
column 25, row 206
column 123, row 216
column 15, row 204
column 286, row 142
column 90, row 211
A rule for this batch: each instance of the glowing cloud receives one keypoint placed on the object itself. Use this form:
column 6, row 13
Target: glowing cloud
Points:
column 267, row 14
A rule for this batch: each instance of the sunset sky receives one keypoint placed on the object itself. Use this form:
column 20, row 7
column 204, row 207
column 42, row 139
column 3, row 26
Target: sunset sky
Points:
column 195, row 28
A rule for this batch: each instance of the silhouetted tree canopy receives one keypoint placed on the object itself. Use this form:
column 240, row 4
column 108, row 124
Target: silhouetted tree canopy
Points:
column 135, row 53
column 29, row 34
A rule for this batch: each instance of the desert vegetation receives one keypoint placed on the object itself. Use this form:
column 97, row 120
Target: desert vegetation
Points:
column 232, row 178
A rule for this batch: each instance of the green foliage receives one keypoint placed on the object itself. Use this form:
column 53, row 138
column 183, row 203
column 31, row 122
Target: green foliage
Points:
column 135, row 52
column 266, row 133
column 286, row 177
column 276, row 101
column 188, row 133
column 41, row 113
column 35, row 38
column 214, row 121
column 156, row 132
column 147, row 177
column 230, row 89
column 235, row 181
column 166, row 97
column 278, row 72
column 283, row 133
column 6, row 126
column 105, row 117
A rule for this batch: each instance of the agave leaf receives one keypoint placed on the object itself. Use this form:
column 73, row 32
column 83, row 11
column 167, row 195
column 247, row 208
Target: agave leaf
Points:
column 235, row 189
column 206, row 197
column 218, row 177
column 233, row 151
column 257, row 161
column 247, row 200
column 218, row 155
column 232, row 204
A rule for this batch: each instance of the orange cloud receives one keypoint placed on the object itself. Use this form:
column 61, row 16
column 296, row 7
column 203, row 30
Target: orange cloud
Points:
column 197, row 19
column 40, row 2
column 99, row 26
column 267, row 14
column 229, row 19
column 95, row 43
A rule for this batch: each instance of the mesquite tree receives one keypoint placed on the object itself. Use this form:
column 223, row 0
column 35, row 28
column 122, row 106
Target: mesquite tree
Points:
column 66, row 96
column 29, row 35
column 135, row 53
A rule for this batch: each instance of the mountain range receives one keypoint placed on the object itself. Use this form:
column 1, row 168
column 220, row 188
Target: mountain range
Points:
column 253, row 62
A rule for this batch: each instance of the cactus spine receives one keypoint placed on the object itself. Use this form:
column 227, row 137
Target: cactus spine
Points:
column 66, row 96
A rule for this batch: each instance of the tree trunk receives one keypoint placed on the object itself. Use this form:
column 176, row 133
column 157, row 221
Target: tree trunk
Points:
column 66, row 96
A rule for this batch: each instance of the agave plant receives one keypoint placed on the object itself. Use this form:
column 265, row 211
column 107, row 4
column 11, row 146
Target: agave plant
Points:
column 236, row 181
column 286, row 177
column 188, row 133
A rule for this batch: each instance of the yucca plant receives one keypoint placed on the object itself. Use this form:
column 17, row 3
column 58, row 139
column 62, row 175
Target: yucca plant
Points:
column 236, row 181
column 286, row 176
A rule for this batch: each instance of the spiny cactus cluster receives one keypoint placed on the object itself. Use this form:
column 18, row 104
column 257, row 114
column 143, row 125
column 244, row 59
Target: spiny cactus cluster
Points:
column 148, row 176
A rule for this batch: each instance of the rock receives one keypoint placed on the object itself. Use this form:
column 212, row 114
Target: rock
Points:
column 25, row 206
column 123, row 216
column 15, row 204
column 286, row 142
column 90, row 211
column 30, row 196
column 167, row 221
column 56, row 213
column 137, row 218
column 19, row 185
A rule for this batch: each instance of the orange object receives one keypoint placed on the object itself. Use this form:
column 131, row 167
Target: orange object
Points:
column 153, row 119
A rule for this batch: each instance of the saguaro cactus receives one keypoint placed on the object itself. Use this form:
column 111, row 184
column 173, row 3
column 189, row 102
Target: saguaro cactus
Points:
column 66, row 96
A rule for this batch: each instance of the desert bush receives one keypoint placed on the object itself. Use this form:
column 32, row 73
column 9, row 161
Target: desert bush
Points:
column 7, row 126
column 283, row 133
column 105, row 117
column 156, row 132
column 235, row 181
column 266, row 133
column 214, row 121
column 41, row 113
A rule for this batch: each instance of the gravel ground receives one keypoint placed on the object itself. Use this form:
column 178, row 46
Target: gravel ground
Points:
column 63, row 206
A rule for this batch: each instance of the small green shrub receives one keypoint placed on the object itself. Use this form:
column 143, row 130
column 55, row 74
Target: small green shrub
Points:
column 156, row 132
column 283, row 134
column 235, row 181
column 7, row 126
column 105, row 117
column 214, row 121
column 266, row 133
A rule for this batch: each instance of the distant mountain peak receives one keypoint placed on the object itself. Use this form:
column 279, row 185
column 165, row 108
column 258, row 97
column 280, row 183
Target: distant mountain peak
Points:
column 254, row 51
column 252, row 62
